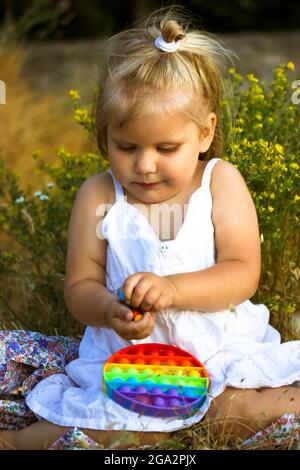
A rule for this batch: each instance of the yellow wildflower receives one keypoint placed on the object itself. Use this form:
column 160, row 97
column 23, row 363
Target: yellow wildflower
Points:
column 279, row 148
column 290, row 66
column 291, row 308
column 252, row 78
column 74, row 95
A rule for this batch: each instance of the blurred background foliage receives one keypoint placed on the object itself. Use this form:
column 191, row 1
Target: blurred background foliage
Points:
column 67, row 19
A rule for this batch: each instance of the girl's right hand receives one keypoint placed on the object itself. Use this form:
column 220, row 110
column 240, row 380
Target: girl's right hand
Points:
column 119, row 318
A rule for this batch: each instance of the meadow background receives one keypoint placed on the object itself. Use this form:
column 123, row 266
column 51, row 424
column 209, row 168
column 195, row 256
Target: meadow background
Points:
column 49, row 58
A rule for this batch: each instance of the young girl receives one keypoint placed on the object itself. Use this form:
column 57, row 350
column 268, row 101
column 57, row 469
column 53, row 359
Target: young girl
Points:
column 192, row 271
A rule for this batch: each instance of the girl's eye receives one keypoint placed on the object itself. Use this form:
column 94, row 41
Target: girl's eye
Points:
column 171, row 149
column 125, row 149
column 131, row 149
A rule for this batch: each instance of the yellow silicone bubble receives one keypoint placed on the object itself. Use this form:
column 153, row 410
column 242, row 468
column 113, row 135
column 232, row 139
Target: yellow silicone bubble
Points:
column 194, row 373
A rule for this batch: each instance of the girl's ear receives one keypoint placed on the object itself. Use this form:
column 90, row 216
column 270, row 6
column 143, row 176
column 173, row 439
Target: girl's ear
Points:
column 207, row 133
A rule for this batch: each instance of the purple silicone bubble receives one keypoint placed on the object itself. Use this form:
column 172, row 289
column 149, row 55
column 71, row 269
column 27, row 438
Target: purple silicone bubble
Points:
column 174, row 402
column 156, row 390
column 173, row 392
column 124, row 389
column 140, row 389
column 158, row 401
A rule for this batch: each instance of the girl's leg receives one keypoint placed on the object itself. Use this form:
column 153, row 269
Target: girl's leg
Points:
column 241, row 413
column 37, row 436
column 40, row 436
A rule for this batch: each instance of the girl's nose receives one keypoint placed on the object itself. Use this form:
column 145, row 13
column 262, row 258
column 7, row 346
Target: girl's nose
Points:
column 145, row 162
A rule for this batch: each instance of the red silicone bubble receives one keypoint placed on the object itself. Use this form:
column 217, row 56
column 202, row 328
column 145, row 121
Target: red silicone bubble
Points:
column 170, row 353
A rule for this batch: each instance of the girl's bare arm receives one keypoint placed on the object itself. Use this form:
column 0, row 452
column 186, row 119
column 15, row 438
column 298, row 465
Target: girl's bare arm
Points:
column 235, row 276
column 84, row 287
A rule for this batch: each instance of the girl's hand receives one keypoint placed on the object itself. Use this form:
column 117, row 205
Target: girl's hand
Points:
column 149, row 292
column 119, row 318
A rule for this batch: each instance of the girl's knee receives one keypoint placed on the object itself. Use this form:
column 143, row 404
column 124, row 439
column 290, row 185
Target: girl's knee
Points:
column 235, row 403
column 231, row 414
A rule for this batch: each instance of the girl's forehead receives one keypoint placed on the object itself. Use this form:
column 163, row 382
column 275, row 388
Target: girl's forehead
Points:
column 156, row 127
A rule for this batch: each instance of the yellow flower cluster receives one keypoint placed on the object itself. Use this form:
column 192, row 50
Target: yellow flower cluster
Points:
column 74, row 95
column 290, row 66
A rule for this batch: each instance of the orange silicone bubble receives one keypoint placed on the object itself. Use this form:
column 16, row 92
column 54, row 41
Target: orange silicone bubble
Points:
column 170, row 362
column 186, row 363
column 155, row 362
column 123, row 360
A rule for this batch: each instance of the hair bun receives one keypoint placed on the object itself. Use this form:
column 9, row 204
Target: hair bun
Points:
column 171, row 31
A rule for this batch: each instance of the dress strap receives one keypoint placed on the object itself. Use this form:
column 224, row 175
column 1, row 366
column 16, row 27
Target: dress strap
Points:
column 207, row 172
column 119, row 193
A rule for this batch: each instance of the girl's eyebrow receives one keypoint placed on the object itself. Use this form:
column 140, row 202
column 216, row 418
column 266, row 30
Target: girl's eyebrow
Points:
column 124, row 142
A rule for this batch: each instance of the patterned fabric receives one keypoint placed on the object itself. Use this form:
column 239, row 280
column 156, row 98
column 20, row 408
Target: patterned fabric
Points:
column 27, row 357
column 284, row 433
column 75, row 439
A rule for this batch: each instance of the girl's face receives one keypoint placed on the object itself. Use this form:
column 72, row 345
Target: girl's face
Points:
column 157, row 149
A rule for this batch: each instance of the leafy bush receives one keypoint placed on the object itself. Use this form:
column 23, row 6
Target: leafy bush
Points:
column 263, row 144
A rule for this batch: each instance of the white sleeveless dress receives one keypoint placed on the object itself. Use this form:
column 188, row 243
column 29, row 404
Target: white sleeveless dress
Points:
column 239, row 348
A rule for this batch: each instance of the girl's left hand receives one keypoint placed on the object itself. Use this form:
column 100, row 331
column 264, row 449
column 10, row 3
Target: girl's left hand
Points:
column 149, row 292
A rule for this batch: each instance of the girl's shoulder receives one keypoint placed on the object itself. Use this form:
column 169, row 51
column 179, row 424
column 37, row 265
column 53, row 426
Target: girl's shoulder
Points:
column 95, row 190
column 224, row 174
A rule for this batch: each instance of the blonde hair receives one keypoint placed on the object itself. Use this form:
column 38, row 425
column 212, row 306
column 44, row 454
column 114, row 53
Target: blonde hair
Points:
column 135, row 73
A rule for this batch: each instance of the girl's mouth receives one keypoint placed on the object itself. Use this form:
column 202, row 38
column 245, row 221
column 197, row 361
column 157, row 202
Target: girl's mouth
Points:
column 148, row 186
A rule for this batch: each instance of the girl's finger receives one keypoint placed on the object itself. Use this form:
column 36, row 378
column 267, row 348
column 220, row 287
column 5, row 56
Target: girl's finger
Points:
column 140, row 291
column 124, row 314
column 152, row 297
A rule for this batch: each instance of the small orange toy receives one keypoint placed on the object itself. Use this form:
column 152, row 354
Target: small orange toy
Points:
column 137, row 314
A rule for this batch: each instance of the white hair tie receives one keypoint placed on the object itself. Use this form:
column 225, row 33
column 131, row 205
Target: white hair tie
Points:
column 161, row 44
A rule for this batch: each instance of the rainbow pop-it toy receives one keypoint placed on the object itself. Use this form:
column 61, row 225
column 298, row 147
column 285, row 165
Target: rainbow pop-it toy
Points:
column 156, row 379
